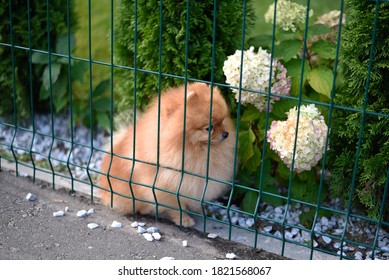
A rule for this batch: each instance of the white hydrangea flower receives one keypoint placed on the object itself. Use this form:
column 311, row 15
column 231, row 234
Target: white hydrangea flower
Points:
column 311, row 138
column 331, row 19
column 289, row 15
column 255, row 76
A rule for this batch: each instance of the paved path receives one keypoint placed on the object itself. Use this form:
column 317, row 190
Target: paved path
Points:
column 28, row 230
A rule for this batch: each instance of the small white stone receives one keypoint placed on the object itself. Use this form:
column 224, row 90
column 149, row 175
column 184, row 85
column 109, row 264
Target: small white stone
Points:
column 268, row 228
column 148, row 237
column 91, row 211
column 66, row 209
column 141, row 230
column 134, row 224
column 231, row 256
column 385, row 248
column 315, row 244
column 295, row 231
column 168, row 259
column 156, row 235
column 141, row 224
column 288, row 235
column 327, row 239
column 324, row 221
column 59, row 214
column 278, row 210
column 31, row 197
column 338, row 231
column 93, row 225
column 152, row 229
column 234, row 220
column 343, row 253
column 116, row 224
column 242, row 222
column 358, row 255
column 81, row 213
column 250, row 222
column 278, row 234
column 212, row 235
column 336, row 245
column 185, row 243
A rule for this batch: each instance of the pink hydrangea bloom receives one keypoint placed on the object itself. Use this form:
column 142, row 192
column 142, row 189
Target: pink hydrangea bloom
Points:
column 311, row 138
column 256, row 76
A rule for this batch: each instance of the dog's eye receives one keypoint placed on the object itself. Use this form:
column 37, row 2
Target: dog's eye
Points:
column 209, row 128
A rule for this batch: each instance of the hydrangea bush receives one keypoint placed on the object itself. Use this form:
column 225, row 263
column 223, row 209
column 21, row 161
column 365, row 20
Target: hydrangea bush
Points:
column 311, row 138
column 302, row 66
column 255, row 76
column 289, row 15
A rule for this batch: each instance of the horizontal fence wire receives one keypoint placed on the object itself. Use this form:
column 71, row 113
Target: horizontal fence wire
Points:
column 66, row 167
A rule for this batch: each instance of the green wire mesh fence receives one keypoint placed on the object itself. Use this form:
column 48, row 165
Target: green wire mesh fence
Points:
column 276, row 200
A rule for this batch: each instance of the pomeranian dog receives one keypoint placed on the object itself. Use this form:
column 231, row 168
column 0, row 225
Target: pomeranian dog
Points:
column 170, row 170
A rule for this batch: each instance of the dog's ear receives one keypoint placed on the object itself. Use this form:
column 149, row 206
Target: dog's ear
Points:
column 192, row 96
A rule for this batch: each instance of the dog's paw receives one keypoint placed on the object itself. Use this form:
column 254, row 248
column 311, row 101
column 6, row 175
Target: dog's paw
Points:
column 185, row 221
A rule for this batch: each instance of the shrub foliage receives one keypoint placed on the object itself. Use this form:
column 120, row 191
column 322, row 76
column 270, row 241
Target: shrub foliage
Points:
column 141, row 38
column 374, row 153
column 25, row 88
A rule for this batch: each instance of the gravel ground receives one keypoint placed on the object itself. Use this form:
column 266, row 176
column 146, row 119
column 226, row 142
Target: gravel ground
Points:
column 329, row 228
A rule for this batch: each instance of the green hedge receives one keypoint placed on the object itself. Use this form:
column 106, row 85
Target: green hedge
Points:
column 374, row 154
column 228, row 39
column 38, row 26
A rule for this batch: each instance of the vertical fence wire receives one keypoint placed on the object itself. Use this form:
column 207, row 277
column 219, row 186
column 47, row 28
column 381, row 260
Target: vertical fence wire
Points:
column 15, row 121
column 261, row 172
column 32, row 109
column 185, row 108
column 242, row 47
column 111, row 100
column 134, row 107
column 70, row 98
column 51, row 93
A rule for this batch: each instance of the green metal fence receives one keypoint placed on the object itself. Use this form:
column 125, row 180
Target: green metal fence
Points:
column 20, row 137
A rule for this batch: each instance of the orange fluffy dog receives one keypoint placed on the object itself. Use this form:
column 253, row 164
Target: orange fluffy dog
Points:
column 174, row 183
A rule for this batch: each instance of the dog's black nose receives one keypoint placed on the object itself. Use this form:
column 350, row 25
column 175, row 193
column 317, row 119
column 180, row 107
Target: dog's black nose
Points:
column 225, row 134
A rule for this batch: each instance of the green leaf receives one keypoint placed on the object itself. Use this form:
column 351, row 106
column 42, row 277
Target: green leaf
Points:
column 102, row 104
column 55, row 71
column 103, row 120
column 269, row 198
column 317, row 29
column 286, row 50
column 320, row 79
column 78, row 70
column 324, row 49
column 250, row 114
column 254, row 161
column 60, row 88
column 294, row 67
column 246, row 151
column 101, row 88
column 282, row 107
column 249, row 202
column 62, row 44
column 43, row 93
column 40, row 58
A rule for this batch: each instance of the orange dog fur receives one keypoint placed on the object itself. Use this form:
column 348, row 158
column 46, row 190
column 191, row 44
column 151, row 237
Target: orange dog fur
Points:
column 166, row 181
